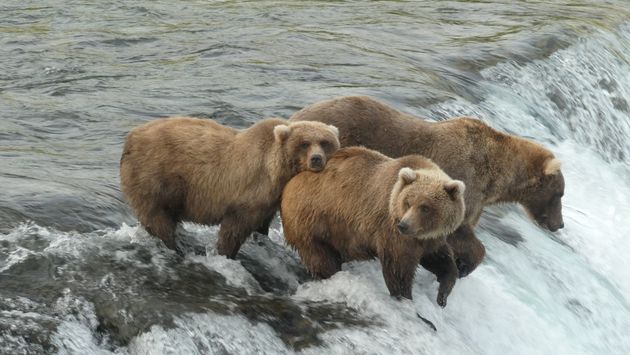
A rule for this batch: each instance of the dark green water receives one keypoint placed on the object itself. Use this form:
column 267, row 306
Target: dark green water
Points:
column 76, row 276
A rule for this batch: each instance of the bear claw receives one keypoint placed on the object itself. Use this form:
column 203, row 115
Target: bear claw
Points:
column 441, row 300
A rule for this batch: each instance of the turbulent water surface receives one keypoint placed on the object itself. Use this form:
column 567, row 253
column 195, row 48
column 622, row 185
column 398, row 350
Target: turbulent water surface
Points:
column 78, row 276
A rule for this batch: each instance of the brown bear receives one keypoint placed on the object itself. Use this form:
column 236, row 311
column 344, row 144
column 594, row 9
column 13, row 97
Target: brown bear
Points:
column 496, row 167
column 366, row 205
column 189, row 169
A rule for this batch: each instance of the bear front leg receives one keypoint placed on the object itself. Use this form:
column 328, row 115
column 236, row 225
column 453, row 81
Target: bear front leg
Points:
column 398, row 272
column 442, row 264
column 234, row 232
column 467, row 249
column 264, row 227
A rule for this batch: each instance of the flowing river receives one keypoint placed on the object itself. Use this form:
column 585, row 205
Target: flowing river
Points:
column 77, row 276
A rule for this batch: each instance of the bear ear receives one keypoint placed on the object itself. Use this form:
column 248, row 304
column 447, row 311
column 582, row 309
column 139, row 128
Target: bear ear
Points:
column 454, row 189
column 334, row 129
column 407, row 175
column 552, row 166
column 281, row 132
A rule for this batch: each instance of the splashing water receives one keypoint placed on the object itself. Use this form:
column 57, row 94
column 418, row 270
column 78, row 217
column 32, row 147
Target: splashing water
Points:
column 99, row 287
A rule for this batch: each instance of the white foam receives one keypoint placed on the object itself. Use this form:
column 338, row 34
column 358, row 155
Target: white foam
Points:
column 573, row 298
column 235, row 274
column 73, row 337
column 209, row 334
column 597, row 211
column 15, row 257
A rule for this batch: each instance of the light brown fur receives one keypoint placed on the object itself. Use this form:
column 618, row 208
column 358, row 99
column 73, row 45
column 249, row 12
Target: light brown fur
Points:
column 189, row 169
column 366, row 205
column 496, row 167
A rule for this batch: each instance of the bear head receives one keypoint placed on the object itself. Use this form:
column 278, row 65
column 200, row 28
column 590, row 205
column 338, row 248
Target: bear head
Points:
column 426, row 203
column 542, row 197
column 308, row 145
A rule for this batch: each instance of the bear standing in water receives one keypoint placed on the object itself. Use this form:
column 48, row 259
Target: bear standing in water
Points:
column 496, row 167
column 189, row 169
column 366, row 205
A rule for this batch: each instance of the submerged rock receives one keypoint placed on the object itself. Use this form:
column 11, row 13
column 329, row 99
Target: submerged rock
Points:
column 119, row 291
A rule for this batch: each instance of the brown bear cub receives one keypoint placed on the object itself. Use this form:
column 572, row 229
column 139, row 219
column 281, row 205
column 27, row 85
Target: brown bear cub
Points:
column 366, row 205
column 189, row 169
column 496, row 167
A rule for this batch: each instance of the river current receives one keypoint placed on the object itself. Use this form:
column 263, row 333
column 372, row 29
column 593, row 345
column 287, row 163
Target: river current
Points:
column 78, row 276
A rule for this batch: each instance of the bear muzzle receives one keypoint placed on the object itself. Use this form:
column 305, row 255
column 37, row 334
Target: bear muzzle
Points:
column 316, row 162
column 403, row 228
column 554, row 227
column 551, row 224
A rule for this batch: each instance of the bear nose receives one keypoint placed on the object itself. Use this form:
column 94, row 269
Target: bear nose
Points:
column 462, row 267
column 316, row 160
column 403, row 227
column 556, row 227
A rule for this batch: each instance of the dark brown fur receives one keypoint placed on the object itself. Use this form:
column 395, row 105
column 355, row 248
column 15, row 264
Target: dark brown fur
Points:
column 189, row 169
column 365, row 204
column 496, row 167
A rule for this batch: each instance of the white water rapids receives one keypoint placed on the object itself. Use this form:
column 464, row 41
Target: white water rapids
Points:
column 535, row 293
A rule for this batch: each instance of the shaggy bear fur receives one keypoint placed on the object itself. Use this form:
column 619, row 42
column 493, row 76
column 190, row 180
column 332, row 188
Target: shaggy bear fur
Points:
column 366, row 205
column 189, row 169
column 496, row 167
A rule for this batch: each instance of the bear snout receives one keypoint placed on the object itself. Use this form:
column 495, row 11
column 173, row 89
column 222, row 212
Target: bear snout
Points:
column 555, row 220
column 316, row 162
column 403, row 227
column 553, row 227
column 551, row 224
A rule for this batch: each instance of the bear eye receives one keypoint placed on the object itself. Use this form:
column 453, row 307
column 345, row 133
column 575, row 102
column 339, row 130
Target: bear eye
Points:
column 425, row 209
column 406, row 205
column 324, row 144
column 304, row 144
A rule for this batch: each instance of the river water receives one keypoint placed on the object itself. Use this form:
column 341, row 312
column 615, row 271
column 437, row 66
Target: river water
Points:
column 77, row 276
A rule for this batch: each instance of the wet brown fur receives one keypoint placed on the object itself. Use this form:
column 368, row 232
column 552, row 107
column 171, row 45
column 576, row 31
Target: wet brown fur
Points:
column 496, row 167
column 189, row 169
column 351, row 210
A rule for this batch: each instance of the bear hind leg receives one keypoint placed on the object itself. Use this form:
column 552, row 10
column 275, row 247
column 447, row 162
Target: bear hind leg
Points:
column 161, row 225
column 321, row 259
